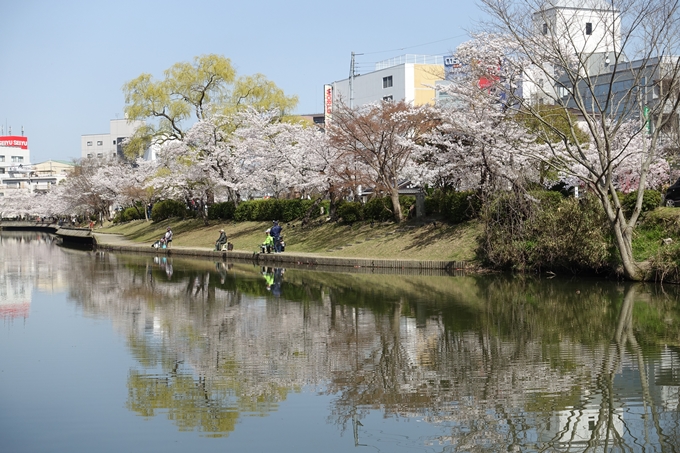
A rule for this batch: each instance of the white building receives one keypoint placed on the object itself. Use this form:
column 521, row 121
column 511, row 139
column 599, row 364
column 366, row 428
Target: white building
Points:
column 108, row 145
column 17, row 174
column 590, row 29
column 14, row 153
column 14, row 161
column 410, row 78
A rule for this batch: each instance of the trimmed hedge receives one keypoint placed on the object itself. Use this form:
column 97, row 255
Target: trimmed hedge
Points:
column 169, row 208
column 275, row 209
column 222, row 211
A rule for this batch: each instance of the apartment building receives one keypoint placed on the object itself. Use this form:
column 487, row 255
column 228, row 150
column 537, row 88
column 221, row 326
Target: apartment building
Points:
column 410, row 78
column 108, row 145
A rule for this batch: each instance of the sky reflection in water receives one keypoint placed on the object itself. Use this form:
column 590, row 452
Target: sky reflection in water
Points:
column 106, row 352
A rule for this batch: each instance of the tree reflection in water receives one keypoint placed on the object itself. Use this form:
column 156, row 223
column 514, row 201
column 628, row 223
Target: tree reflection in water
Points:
column 496, row 362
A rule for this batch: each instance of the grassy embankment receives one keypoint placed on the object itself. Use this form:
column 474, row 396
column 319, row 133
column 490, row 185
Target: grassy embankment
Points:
column 410, row 240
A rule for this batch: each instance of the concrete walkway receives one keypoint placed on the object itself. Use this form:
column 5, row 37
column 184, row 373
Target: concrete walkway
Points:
column 116, row 242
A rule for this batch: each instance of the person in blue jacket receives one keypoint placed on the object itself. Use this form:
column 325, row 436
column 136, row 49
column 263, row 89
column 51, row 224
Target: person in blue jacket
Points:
column 275, row 232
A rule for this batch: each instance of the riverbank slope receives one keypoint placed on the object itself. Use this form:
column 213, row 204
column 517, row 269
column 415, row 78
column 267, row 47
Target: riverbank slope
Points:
column 409, row 240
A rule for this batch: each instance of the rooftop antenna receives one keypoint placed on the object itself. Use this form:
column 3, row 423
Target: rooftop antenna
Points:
column 22, row 131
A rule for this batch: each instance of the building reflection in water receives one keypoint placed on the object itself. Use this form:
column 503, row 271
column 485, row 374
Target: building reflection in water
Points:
column 29, row 260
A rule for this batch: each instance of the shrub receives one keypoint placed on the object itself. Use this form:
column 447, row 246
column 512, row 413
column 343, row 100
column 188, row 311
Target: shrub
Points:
column 168, row 208
column 285, row 210
column 651, row 200
column 666, row 263
column 457, row 207
column 350, row 211
column 545, row 231
column 222, row 211
column 379, row 209
column 128, row 214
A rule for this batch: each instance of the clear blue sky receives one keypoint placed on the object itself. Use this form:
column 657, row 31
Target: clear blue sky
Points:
column 63, row 63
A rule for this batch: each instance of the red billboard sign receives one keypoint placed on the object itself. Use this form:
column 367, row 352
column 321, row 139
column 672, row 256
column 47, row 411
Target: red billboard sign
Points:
column 14, row 141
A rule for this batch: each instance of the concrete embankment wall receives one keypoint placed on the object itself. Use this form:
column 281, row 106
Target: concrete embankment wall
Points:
column 286, row 259
column 290, row 258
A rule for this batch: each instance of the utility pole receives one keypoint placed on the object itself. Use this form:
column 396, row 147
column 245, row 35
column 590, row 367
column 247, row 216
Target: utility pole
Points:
column 351, row 82
column 352, row 73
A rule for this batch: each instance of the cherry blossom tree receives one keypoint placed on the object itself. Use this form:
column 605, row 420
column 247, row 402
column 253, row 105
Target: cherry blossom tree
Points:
column 479, row 142
column 261, row 154
column 607, row 62
column 380, row 140
column 192, row 92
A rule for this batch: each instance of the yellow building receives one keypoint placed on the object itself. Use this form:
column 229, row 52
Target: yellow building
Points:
column 52, row 168
column 409, row 77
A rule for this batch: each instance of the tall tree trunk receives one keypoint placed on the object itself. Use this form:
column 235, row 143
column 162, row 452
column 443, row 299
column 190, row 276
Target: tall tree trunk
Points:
column 632, row 269
column 396, row 206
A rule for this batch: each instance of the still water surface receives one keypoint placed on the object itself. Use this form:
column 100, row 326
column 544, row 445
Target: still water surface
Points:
column 111, row 352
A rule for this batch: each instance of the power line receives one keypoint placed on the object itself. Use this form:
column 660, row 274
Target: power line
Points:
column 417, row 45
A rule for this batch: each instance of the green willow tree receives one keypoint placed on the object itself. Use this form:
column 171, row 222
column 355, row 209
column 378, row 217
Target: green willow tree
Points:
column 192, row 92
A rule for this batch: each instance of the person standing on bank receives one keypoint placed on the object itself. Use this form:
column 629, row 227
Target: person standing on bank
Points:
column 221, row 240
column 168, row 237
column 276, row 234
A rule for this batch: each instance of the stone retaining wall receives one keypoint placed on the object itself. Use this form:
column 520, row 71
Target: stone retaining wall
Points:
column 286, row 258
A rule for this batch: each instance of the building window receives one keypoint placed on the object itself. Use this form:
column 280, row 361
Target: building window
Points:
column 89, row 155
column 2, row 158
column 387, row 98
column 114, row 142
column 17, row 158
column 89, row 143
column 387, row 82
column 100, row 155
column 589, row 28
column 545, row 29
column 100, row 143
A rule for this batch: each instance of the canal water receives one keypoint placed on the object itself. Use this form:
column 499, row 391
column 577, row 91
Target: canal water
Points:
column 110, row 352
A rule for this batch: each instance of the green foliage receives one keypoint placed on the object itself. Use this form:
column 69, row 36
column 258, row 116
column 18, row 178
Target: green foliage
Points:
column 257, row 210
column 350, row 211
column 379, row 209
column 169, row 208
column 553, row 124
column 222, row 211
column 658, row 225
column 454, row 207
column 651, row 200
column 647, row 239
column 543, row 230
column 202, row 89
column 128, row 214
column 275, row 209
column 666, row 263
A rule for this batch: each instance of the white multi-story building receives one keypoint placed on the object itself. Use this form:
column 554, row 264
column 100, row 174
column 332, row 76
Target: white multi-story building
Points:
column 14, row 163
column 590, row 29
column 410, row 78
column 17, row 174
column 108, row 145
column 14, row 153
